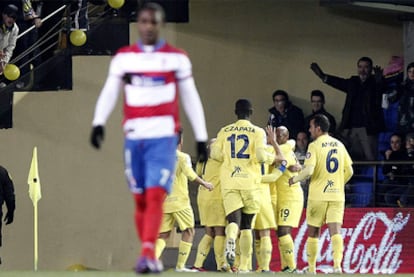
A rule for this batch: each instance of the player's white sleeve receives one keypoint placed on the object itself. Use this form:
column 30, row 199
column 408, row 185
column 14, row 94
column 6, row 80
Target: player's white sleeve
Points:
column 193, row 108
column 107, row 100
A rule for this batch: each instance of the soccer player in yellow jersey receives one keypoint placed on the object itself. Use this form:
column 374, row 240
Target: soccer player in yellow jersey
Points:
column 289, row 203
column 241, row 147
column 330, row 167
column 177, row 209
column 265, row 220
column 212, row 215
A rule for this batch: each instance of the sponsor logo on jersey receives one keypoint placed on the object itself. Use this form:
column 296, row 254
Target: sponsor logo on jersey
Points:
column 144, row 81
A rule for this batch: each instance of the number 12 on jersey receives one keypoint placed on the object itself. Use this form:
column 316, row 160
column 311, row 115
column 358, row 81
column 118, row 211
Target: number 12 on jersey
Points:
column 241, row 152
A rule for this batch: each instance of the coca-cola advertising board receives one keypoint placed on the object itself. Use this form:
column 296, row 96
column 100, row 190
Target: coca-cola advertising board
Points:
column 376, row 240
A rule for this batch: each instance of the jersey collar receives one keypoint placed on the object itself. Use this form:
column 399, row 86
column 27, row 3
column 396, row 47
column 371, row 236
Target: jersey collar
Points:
column 160, row 43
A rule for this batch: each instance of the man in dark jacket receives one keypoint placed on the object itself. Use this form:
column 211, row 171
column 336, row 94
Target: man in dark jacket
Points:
column 318, row 102
column 284, row 113
column 7, row 196
column 362, row 115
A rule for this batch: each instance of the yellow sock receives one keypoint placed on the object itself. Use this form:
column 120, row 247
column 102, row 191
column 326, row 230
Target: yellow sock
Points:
column 237, row 259
column 312, row 253
column 246, row 241
column 159, row 247
column 266, row 248
column 287, row 246
column 202, row 250
column 219, row 242
column 337, row 250
column 257, row 252
column 232, row 230
column 183, row 252
column 282, row 259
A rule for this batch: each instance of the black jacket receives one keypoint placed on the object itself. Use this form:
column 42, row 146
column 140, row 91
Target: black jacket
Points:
column 293, row 119
column 406, row 108
column 6, row 191
column 6, row 195
column 372, row 114
column 332, row 121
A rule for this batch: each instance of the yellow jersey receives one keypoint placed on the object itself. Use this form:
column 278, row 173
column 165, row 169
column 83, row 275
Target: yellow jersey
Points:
column 179, row 197
column 329, row 158
column 241, row 149
column 285, row 191
column 210, row 172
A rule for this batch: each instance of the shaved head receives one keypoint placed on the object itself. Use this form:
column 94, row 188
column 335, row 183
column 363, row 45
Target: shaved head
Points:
column 282, row 134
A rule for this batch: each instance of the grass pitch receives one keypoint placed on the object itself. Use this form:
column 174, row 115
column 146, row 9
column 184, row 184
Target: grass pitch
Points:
column 164, row 274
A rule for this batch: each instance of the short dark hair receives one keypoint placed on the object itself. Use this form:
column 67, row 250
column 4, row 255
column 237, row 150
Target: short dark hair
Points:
column 318, row 93
column 11, row 11
column 151, row 6
column 243, row 107
column 410, row 65
column 320, row 120
column 365, row 59
column 280, row 92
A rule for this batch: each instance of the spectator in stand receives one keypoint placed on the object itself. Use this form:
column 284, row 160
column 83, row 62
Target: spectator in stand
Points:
column 406, row 107
column 392, row 171
column 362, row 115
column 406, row 199
column 302, row 141
column 284, row 113
column 30, row 17
column 318, row 102
column 8, row 37
column 80, row 15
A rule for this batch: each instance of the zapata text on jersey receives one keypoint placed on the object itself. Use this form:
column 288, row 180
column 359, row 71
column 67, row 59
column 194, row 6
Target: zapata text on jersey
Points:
column 239, row 128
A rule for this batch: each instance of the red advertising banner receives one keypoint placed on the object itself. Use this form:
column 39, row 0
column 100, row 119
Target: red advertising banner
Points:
column 376, row 240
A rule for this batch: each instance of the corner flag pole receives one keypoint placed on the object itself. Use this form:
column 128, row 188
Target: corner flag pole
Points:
column 34, row 194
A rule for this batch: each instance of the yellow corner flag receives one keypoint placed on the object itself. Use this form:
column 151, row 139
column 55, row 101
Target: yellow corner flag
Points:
column 33, row 180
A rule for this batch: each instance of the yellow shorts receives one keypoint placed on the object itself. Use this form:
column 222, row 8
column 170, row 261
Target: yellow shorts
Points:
column 212, row 212
column 288, row 212
column 321, row 212
column 247, row 200
column 265, row 218
column 184, row 219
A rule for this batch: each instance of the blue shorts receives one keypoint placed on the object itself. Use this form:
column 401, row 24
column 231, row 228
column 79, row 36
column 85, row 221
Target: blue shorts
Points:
column 150, row 163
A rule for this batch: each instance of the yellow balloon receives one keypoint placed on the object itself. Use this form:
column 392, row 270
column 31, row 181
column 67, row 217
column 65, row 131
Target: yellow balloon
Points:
column 11, row 72
column 77, row 37
column 116, row 4
column 77, row 267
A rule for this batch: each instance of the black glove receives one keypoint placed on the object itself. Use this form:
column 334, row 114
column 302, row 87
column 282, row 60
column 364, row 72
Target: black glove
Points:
column 378, row 73
column 318, row 71
column 202, row 151
column 8, row 218
column 97, row 136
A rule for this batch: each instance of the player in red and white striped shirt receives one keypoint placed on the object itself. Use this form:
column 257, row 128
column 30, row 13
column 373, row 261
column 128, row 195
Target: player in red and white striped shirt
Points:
column 153, row 75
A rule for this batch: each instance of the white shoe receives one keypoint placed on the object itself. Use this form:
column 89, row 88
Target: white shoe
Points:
column 337, row 270
column 306, row 271
column 230, row 251
column 184, row 269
